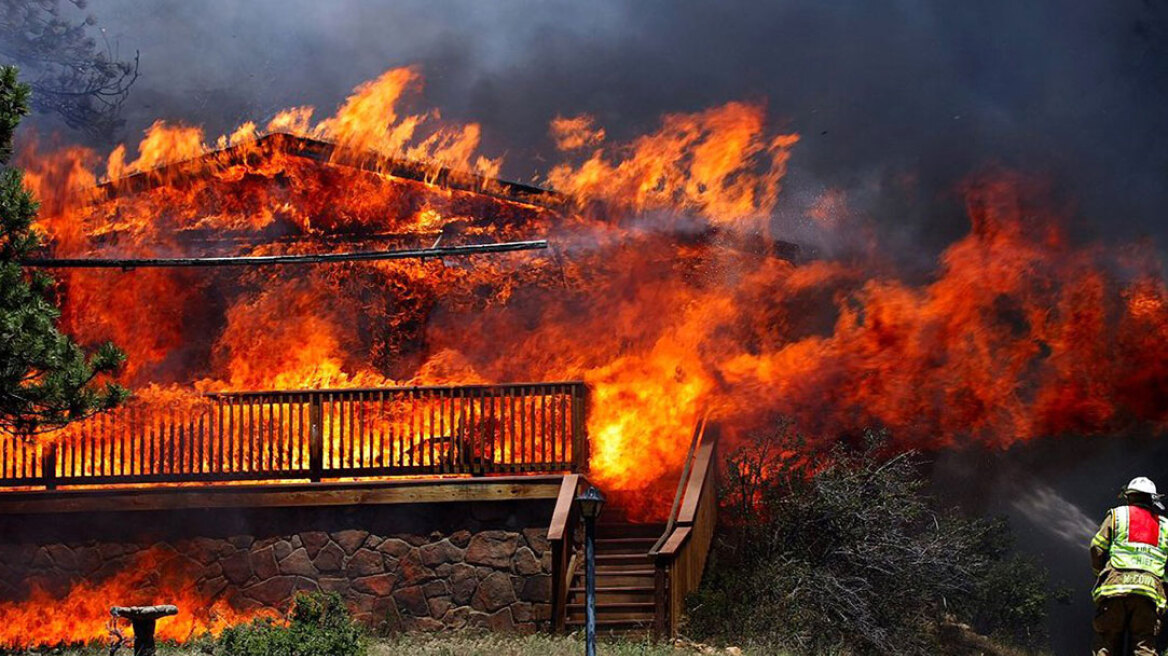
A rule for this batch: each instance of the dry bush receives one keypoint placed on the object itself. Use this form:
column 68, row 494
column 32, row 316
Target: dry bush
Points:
column 842, row 551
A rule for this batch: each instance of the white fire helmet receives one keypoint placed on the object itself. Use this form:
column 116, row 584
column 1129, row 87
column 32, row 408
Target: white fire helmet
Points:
column 1141, row 484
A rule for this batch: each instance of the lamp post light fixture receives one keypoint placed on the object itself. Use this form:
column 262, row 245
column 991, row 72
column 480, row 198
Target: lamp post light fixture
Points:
column 591, row 503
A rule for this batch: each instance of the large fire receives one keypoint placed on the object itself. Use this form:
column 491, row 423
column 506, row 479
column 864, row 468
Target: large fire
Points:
column 81, row 614
column 665, row 291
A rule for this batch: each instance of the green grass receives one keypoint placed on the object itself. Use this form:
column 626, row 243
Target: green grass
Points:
column 476, row 644
column 469, row 644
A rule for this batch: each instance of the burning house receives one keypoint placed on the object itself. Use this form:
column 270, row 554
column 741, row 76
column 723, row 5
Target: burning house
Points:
column 411, row 432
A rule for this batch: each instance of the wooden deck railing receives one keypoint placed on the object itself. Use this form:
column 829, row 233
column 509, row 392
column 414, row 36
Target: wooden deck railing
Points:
column 313, row 435
column 680, row 555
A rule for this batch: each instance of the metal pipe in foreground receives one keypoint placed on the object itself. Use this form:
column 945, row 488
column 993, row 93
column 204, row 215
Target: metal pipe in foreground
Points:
column 590, row 586
column 591, row 502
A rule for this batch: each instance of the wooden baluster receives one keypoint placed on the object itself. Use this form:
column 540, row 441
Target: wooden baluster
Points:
column 513, row 457
column 217, row 441
column 151, row 445
column 526, row 443
column 442, row 431
column 564, row 406
column 253, row 432
column 431, row 464
column 362, row 417
column 381, row 428
column 49, row 465
column 174, row 448
column 202, row 454
column 552, row 438
column 269, row 443
column 543, row 425
column 297, row 454
column 460, row 435
column 354, row 438
column 94, row 423
column 471, row 433
column 281, row 409
column 234, row 436
column 395, row 442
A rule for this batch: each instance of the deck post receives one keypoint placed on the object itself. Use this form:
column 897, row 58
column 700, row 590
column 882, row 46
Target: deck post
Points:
column 580, row 454
column 315, row 439
column 661, row 599
column 49, row 465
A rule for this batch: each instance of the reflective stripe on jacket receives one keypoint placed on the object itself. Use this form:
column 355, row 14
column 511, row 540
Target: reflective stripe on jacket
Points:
column 1129, row 554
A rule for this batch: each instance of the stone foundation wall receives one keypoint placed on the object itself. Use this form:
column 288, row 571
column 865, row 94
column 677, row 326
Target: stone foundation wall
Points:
column 471, row 568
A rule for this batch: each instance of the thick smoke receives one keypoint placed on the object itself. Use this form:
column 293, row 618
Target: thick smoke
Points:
column 897, row 103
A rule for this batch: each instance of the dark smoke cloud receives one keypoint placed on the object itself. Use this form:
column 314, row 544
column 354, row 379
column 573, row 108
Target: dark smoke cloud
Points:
column 883, row 92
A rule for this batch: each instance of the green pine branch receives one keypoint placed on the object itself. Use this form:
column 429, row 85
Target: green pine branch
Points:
column 46, row 379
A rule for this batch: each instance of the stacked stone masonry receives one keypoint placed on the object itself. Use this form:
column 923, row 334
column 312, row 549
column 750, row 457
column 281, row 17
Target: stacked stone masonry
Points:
column 493, row 578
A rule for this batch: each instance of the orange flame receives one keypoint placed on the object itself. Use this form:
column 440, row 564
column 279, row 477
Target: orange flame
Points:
column 81, row 614
column 664, row 298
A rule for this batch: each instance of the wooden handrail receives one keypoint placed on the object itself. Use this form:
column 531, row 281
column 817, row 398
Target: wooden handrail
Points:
column 702, row 470
column 561, row 537
column 564, row 507
column 699, row 429
column 681, row 553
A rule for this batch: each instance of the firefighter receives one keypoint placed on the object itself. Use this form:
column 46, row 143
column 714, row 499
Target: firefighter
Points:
column 1128, row 555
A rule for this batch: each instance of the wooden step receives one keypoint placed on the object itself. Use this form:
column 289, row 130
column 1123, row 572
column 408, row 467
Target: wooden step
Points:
column 631, row 569
column 607, row 573
column 620, row 570
column 604, row 598
column 637, row 540
column 624, row 545
column 645, row 618
column 621, row 558
column 621, row 606
column 624, row 589
column 619, row 581
column 613, row 623
column 610, row 531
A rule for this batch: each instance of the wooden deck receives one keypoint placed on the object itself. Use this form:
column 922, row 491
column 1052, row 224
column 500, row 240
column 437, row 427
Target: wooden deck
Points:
column 501, row 488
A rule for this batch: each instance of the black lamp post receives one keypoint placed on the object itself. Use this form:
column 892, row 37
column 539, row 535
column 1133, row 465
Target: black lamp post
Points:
column 591, row 502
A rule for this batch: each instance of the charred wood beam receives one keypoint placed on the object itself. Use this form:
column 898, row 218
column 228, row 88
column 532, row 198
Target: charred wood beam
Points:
column 331, row 154
column 270, row 260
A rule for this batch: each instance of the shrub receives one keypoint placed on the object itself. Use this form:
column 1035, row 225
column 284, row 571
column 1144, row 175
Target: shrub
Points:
column 319, row 625
column 844, row 552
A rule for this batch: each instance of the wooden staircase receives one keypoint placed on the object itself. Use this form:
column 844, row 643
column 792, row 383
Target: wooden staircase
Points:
column 625, row 588
column 643, row 571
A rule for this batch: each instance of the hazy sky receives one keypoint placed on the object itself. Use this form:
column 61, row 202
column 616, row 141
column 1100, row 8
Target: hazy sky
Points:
column 1074, row 91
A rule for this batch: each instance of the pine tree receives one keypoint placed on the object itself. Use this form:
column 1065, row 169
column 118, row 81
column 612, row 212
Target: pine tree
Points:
column 73, row 69
column 46, row 379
